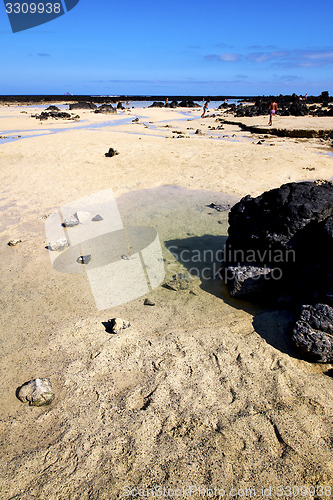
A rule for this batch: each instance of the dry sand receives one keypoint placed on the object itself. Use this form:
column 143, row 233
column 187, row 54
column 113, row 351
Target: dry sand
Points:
column 201, row 390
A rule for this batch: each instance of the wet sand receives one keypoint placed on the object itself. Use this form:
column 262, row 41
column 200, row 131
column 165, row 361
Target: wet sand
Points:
column 201, row 389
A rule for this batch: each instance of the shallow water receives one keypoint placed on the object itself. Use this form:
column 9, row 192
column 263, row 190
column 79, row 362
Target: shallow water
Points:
column 192, row 234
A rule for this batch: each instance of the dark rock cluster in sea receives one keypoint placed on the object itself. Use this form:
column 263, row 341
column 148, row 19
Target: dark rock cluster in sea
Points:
column 187, row 103
column 82, row 105
column 280, row 248
column 287, row 106
column 45, row 115
column 52, row 108
column 106, row 109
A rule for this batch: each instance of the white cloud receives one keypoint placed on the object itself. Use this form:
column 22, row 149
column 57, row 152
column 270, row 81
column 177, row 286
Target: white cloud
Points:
column 227, row 57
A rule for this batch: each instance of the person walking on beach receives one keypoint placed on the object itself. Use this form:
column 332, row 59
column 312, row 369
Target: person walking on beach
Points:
column 205, row 108
column 272, row 110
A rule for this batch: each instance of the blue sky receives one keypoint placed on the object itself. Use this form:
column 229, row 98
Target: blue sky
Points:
column 175, row 47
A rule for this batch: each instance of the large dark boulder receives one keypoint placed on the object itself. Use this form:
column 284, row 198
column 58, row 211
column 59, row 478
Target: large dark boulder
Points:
column 157, row 104
column 82, row 105
column 52, row 108
column 280, row 248
column 313, row 333
column 188, row 104
column 298, row 108
column 56, row 114
column 289, row 229
column 106, row 109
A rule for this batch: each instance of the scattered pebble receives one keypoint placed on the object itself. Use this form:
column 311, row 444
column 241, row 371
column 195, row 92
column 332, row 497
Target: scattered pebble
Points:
column 117, row 324
column 219, row 208
column 13, row 243
column 59, row 245
column 97, row 218
column 37, row 392
column 111, row 152
column 178, row 282
column 148, row 302
column 71, row 221
column 84, row 259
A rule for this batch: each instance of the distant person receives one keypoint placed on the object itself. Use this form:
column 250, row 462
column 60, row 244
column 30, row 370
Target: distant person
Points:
column 205, row 108
column 272, row 110
column 306, row 97
column 166, row 101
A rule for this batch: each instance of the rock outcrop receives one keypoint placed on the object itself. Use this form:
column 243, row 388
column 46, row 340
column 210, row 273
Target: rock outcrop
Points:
column 280, row 248
column 188, row 104
column 106, row 108
column 82, row 105
column 289, row 229
column 313, row 333
column 45, row 115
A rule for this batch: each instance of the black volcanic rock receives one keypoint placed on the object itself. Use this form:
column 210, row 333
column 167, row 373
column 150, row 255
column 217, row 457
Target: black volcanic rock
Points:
column 247, row 281
column 290, row 229
column 82, row 105
column 111, row 152
column 106, row 109
column 188, row 104
column 276, row 216
column 313, row 333
column 298, row 108
column 157, row 104
column 280, row 248
column 56, row 114
column 52, row 108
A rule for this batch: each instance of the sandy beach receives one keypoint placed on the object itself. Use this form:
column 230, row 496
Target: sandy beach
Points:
column 201, row 390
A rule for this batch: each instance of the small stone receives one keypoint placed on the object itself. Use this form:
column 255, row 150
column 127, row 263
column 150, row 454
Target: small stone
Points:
column 219, row 207
column 59, row 245
column 148, row 302
column 37, row 392
column 117, row 324
column 178, row 282
column 111, row 152
column 71, row 221
column 135, row 120
column 84, row 259
column 13, row 243
column 97, row 218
